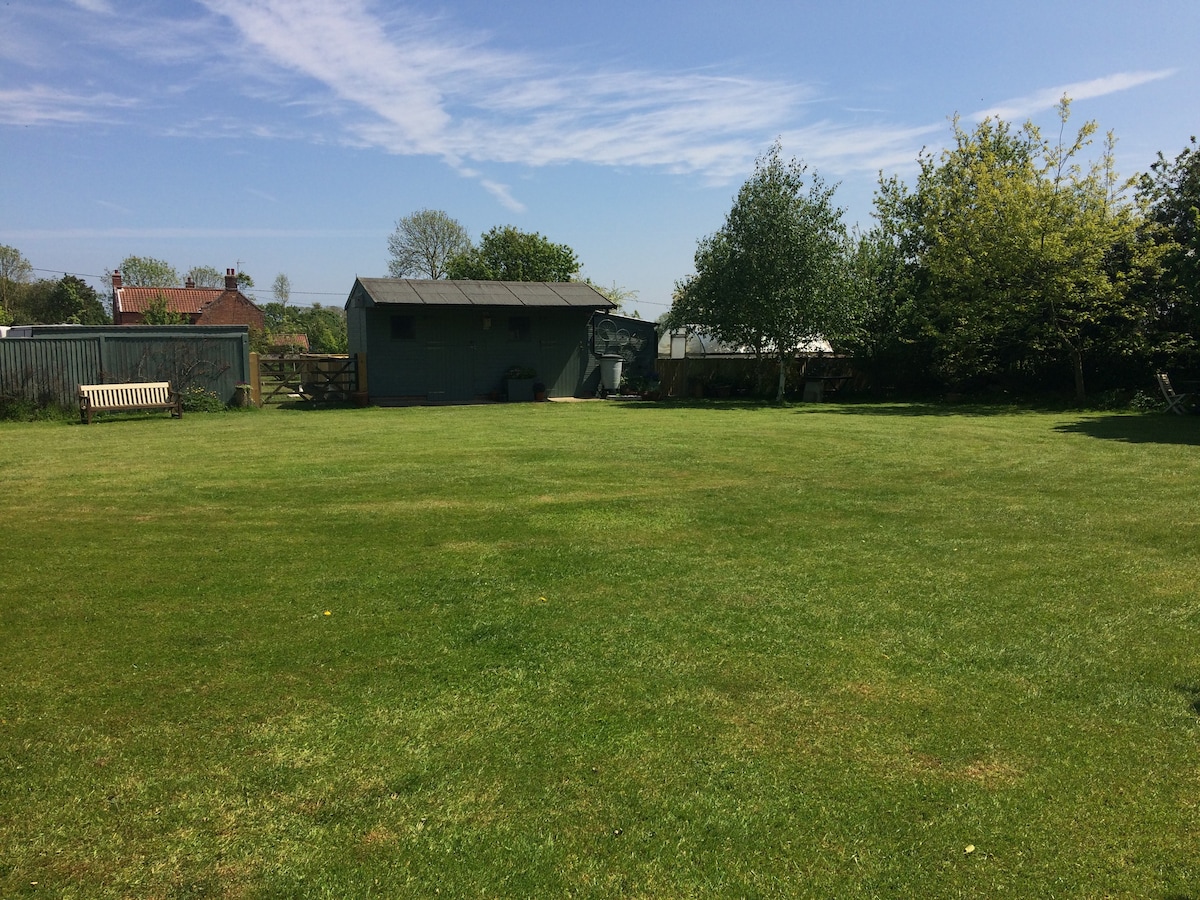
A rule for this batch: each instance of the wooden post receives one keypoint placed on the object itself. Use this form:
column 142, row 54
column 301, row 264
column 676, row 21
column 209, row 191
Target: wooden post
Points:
column 360, row 368
column 255, row 381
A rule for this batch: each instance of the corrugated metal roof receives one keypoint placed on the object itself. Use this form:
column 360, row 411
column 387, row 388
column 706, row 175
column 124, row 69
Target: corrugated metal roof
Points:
column 483, row 293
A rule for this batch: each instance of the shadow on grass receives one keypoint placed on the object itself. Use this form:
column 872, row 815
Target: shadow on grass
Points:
column 1192, row 691
column 312, row 405
column 1144, row 429
column 914, row 409
column 843, row 407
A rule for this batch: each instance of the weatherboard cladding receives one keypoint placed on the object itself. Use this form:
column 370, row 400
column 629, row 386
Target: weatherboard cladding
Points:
column 455, row 340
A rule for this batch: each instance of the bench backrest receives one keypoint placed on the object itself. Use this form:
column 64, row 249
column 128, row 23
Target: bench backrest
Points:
column 112, row 395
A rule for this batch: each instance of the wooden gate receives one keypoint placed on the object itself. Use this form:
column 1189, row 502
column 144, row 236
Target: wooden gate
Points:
column 307, row 376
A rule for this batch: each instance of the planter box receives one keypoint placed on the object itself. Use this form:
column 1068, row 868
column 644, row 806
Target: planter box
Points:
column 520, row 390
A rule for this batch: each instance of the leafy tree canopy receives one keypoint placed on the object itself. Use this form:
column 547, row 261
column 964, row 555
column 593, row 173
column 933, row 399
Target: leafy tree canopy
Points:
column 281, row 288
column 1022, row 252
column 424, row 242
column 145, row 271
column 773, row 276
column 1171, row 192
column 324, row 325
column 157, row 313
column 205, row 277
column 15, row 271
column 69, row 300
column 506, row 253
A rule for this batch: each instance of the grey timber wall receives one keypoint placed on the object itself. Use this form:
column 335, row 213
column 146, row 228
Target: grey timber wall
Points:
column 49, row 364
column 433, row 354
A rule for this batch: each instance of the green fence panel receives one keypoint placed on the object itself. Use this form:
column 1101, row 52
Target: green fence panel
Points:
column 46, row 364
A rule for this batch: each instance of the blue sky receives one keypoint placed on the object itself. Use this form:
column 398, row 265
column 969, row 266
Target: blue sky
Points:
column 290, row 135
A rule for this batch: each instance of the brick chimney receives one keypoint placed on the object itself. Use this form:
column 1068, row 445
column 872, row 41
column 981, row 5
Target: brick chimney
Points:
column 230, row 280
column 116, row 278
column 189, row 283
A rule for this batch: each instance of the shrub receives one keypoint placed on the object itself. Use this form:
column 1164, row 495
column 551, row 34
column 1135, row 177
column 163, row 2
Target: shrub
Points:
column 18, row 409
column 1144, row 401
column 197, row 399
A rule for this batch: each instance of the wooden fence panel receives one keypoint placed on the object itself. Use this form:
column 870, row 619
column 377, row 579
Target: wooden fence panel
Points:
column 49, row 365
column 48, row 371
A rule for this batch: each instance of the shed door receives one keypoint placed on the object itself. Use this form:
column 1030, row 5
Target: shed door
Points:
column 450, row 361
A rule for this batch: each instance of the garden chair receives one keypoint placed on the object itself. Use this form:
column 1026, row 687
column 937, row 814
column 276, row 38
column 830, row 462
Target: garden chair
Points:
column 1175, row 402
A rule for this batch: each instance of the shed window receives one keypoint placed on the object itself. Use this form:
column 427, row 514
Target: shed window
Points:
column 404, row 328
column 520, row 330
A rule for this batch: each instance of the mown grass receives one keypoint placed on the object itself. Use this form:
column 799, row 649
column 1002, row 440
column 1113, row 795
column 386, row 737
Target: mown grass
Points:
column 598, row 650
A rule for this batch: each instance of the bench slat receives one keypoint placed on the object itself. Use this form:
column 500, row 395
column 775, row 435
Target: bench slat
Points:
column 113, row 397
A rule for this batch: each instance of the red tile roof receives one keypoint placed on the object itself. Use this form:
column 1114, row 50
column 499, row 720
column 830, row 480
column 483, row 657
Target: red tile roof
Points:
column 289, row 340
column 187, row 301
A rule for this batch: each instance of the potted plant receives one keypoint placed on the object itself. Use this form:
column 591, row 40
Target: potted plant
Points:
column 519, row 381
column 241, row 394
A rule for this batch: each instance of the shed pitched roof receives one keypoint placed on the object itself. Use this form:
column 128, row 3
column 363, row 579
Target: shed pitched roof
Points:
column 480, row 293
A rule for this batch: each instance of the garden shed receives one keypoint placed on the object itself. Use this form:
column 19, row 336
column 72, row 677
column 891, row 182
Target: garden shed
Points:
column 458, row 341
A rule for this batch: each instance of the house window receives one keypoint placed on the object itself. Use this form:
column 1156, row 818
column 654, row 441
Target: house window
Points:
column 519, row 329
column 404, row 328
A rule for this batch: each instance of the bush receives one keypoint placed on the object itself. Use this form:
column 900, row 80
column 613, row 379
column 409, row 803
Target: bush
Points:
column 1144, row 401
column 16, row 409
column 197, row 399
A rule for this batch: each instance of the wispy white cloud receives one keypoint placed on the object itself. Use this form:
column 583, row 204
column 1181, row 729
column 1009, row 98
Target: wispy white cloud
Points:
column 45, row 105
column 358, row 73
column 502, row 193
column 190, row 234
column 115, row 207
column 414, row 89
column 101, row 7
column 845, row 149
column 1022, row 107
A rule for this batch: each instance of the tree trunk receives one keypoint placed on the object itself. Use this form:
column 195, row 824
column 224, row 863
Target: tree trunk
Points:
column 782, row 376
column 1077, row 365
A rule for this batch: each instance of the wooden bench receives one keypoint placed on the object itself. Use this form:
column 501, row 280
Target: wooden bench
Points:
column 94, row 398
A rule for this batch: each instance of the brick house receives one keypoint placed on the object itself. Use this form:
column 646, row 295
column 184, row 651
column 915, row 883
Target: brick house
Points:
column 198, row 306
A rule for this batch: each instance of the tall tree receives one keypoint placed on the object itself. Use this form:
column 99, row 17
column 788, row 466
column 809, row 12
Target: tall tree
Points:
column 885, row 337
column 281, row 288
column 506, row 253
column 1171, row 192
column 77, row 302
column 424, row 242
column 70, row 300
column 15, row 272
column 773, row 276
column 204, row 277
column 146, row 271
column 1023, row 252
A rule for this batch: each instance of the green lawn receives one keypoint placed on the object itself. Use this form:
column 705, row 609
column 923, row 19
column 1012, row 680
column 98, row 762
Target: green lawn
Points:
column 601, row 650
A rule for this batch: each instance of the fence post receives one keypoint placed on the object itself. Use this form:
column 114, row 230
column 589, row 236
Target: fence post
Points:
column 255, row 381
column 360, row 369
